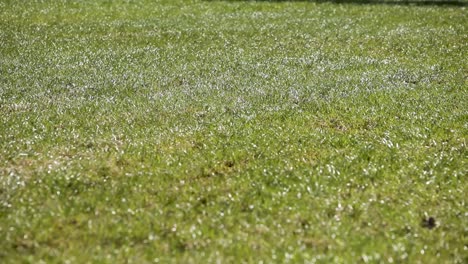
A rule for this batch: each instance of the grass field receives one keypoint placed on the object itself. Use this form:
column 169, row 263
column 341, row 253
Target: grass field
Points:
column 233, row 131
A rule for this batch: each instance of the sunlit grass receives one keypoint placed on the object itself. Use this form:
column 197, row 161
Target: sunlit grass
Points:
column 205, row 131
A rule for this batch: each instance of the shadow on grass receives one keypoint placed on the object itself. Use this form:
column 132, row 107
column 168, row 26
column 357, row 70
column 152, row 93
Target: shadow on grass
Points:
column 459, row 3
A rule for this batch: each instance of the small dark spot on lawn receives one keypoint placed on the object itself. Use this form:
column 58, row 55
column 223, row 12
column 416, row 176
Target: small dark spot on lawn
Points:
column 197, row 145
column 182, row 246
column 203, row 201
column 304, row 224
column 229, row 164
column 429, row 222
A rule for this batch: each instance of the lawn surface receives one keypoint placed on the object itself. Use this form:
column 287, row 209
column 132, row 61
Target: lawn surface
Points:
column 233, row 131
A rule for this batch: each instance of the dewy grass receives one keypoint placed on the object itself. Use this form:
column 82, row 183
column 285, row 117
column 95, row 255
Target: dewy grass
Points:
column 233, row 131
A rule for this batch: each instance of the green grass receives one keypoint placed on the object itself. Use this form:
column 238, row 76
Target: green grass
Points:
column 233, row 131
